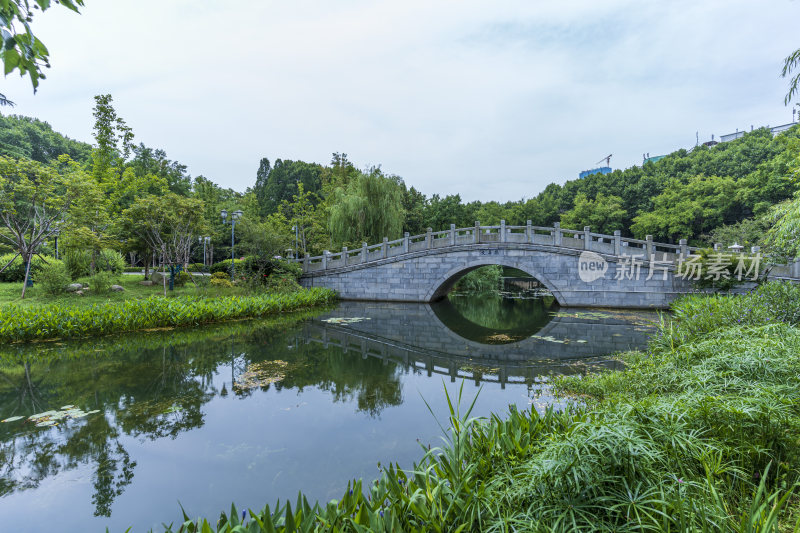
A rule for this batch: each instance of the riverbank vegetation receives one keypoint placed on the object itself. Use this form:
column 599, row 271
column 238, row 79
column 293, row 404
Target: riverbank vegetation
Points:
column 60, row 320
column 698, row 433
column 120, row 197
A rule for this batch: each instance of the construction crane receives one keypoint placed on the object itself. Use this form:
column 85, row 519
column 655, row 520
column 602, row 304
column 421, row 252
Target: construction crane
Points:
column 607, row 159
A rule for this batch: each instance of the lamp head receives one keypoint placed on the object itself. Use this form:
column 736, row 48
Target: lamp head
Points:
column 224, row 214
column 237, row 215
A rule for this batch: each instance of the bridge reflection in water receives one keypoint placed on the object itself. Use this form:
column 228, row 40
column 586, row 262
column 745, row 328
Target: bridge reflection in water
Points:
column 440, row 340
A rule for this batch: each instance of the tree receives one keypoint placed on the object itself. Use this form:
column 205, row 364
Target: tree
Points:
column 168, row 224
column 281, row 182
column 604, row 214
column 790, row 63
column 367, row 209
column 113, row 137
column 23, row 51
column 686, row 210
column 33, row 199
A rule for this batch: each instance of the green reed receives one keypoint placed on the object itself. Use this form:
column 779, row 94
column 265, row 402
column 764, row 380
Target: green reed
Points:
column 56, row 320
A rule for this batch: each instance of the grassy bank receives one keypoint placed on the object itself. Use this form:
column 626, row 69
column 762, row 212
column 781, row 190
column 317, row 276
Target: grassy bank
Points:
column 73, row 316
column 699, row 433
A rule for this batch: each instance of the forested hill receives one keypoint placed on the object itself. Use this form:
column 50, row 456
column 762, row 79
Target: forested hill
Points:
column 705, row 194
column 34, row 139
column 708, row 194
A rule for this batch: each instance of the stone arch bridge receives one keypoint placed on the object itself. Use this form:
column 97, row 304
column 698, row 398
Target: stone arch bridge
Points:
column 579, row 268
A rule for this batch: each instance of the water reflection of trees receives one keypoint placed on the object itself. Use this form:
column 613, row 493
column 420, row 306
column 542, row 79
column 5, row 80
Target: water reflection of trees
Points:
column 496, row 312
column 152, row 387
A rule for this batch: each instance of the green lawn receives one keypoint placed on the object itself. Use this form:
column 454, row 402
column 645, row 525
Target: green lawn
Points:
column 35, row 296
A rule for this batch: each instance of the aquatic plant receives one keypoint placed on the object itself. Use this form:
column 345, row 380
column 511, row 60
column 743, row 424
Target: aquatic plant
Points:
column 19, row 323
column 699, row 433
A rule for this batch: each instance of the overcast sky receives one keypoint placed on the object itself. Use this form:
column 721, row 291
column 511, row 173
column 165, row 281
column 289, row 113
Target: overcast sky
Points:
column 492, row 100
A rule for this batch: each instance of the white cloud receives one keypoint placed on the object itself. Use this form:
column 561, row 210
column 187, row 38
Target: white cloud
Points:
column 492, row 100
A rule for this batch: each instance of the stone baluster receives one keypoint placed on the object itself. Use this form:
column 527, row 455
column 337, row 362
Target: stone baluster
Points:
column 529, row 232
column 405, row 242
column 306, row 261
column 617, row 242
column 364, row 252
column 476, row 235
column 428, row 239
column 587, row 237
column 385, row 248
column 344, row 255
column 557, row 235
column 648, row 254
column 325, row 259
column 502, row 231
column 684, row 247
column 452, row 234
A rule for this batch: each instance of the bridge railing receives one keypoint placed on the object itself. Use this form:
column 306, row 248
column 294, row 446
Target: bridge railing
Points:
column 547, row 236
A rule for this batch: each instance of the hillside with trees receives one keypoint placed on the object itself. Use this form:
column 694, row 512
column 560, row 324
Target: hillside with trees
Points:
column 126, row 197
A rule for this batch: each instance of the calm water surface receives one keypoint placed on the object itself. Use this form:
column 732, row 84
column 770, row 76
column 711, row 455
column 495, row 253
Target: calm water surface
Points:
column 252, row 412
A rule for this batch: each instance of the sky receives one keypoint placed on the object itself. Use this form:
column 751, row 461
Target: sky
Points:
column 490, row 100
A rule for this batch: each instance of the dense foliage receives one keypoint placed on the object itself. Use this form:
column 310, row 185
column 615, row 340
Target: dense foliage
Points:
column 697, row 434
column 59, row 321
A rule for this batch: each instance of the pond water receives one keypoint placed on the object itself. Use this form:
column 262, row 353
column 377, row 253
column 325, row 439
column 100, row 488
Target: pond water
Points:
column 252, row 412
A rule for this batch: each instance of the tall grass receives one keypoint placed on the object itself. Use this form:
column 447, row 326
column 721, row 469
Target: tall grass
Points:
column 699, row 433
column 19, row 323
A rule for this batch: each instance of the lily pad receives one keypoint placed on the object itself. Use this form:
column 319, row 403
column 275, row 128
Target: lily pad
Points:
column 67, row 407
column 345, row 321
column 13, row 419
column 45, row 423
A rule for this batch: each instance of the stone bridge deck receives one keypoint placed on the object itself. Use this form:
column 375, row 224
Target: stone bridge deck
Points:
column 422, row 268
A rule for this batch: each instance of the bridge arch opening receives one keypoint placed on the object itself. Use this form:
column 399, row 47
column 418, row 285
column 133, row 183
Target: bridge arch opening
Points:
column 442, row 287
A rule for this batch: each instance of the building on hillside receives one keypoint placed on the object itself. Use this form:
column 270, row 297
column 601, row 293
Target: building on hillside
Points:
column 646, row 158
column 598, row 170
column 739, row 134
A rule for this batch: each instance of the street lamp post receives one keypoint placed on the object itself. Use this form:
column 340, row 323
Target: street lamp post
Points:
column 57, row 232
column 204, row 241
column 236, row 215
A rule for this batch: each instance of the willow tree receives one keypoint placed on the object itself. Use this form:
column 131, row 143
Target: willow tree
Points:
column 367, row 209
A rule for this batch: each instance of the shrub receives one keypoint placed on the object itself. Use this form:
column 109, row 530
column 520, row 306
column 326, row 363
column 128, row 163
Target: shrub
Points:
column 101, row 282
column 53, row 278
column 15, row 273
column 220, row 275
column 281, row 284
column 225, row 266
column 110, row 261
column 78, row 262
column 182, row 278
column 221, row 282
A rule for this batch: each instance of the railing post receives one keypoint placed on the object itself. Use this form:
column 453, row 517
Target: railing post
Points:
column 452, row 234
column 476, row 235
column 648, row 247
column 617, row 242
column 557, row 234
column 344, row 255
column 306, row 262
column 529, row 232
column 325, row 259
column 587, row 237
column 385, row 248
column 364, row 252
column 502, row 231
column 684, row 248
column 405, row 242
column 428, row 239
